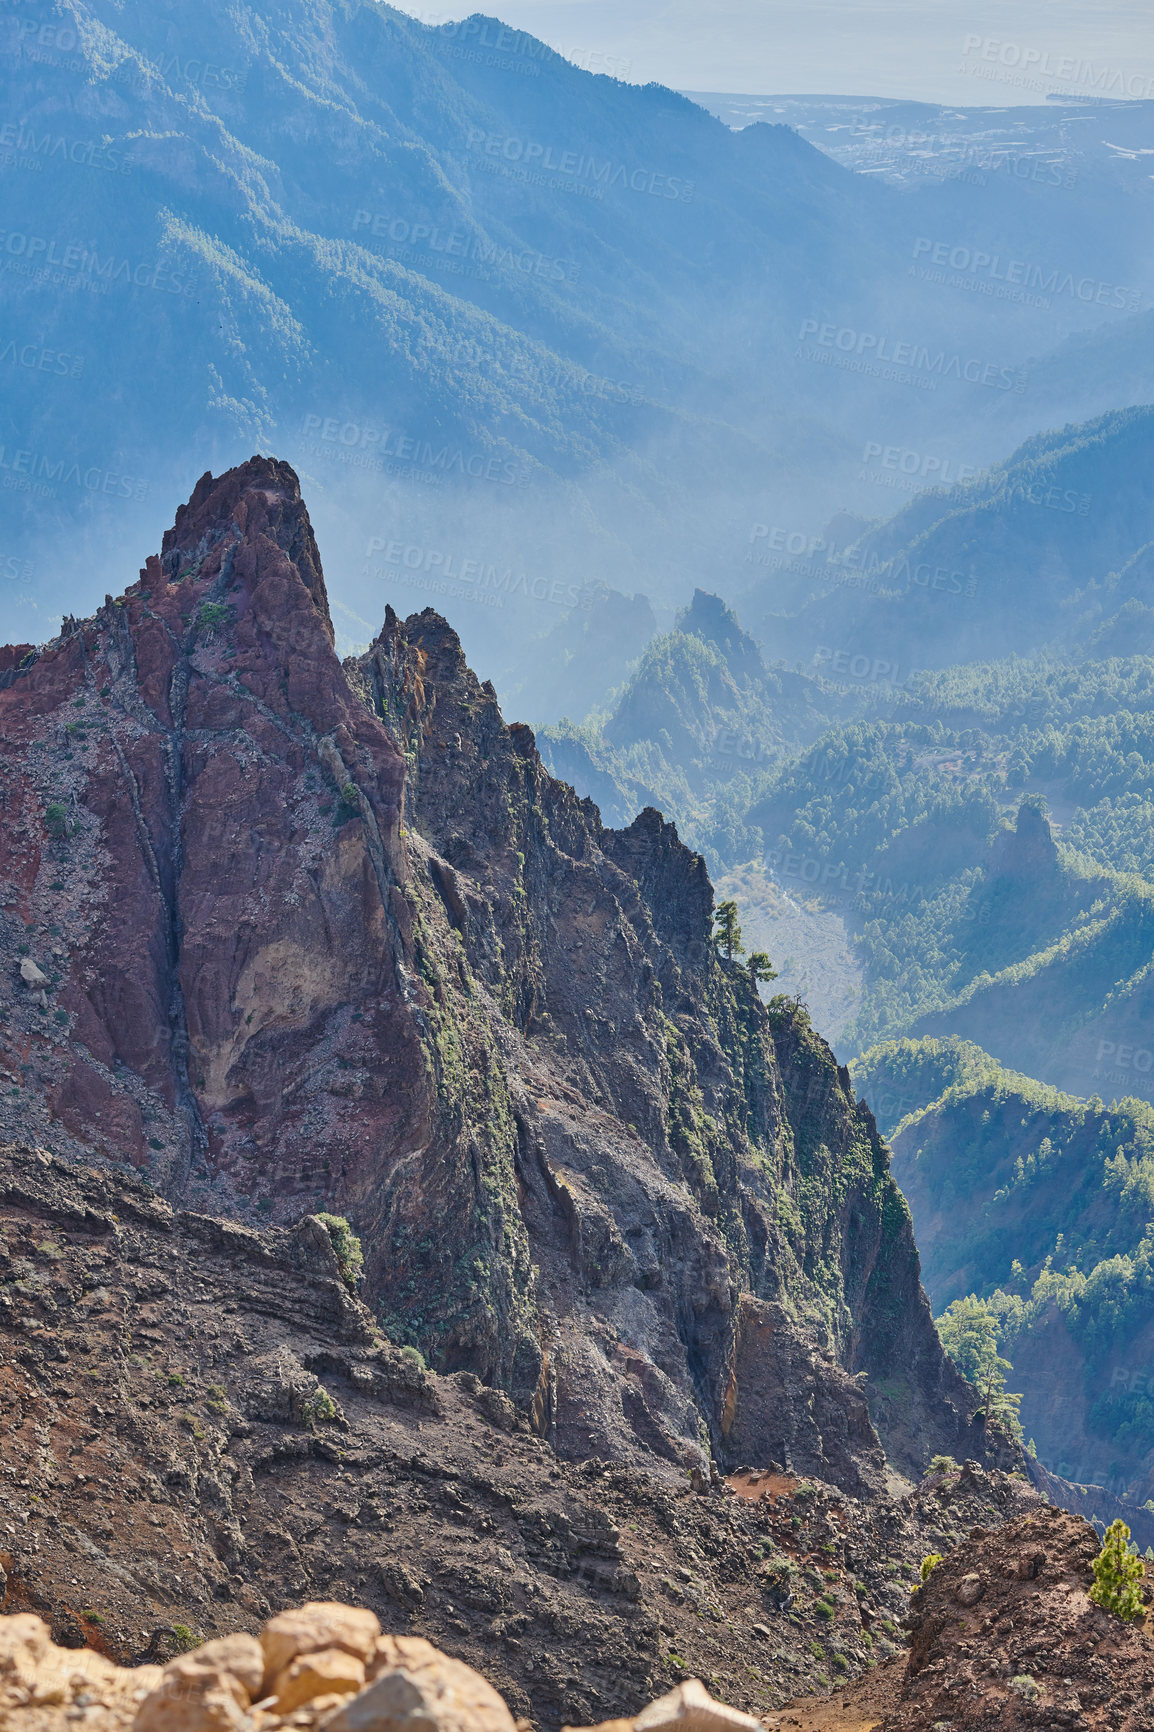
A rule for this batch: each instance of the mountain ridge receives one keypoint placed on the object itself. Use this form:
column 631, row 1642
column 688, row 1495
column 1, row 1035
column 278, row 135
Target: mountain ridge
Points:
column 347, row 946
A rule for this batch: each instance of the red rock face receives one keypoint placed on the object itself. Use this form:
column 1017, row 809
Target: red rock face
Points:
column 221, row 894
column 494, row 1034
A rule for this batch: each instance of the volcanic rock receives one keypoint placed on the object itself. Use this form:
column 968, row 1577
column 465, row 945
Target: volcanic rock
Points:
column 327, row 938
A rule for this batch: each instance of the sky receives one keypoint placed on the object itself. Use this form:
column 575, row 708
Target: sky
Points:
column 997, row 52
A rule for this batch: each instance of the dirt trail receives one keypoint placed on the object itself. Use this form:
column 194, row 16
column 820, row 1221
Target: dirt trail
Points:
column 857, row 1707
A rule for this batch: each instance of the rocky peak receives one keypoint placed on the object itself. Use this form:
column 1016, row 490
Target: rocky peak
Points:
column 707, row 616
column 325, row 937
column 1027, row 854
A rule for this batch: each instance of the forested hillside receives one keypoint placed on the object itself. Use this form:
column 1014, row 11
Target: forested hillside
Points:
column 1040, row 550
column 1034, row 1215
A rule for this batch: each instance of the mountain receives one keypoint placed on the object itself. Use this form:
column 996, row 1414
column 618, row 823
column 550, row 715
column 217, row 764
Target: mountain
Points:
column 1040, row 550
column 474, row 294
column 293, row 935
column 1033, row 1207
column 697, row 720
column 525, row 329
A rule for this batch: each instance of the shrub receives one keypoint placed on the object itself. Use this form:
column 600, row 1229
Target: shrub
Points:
column 415, row 1354
column 1026, row 1686
column 929, row 1562
column 320, row 1408
column 213, row 614
column 1117, row 1574
column 55, row 818
column 942, row 1464
column 183, row 1639
column 347, row 1249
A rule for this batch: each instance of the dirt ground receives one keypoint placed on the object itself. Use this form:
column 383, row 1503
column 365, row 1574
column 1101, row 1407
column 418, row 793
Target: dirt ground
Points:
column 857, row 1707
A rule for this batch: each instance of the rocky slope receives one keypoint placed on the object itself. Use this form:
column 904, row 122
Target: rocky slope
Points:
column 200, row 1425
column 288, row 935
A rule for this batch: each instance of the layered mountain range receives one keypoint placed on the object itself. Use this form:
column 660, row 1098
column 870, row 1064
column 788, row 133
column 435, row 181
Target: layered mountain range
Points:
column 613, row 335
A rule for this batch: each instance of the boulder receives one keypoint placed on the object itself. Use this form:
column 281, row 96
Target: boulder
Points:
column 690, row 1708
column 415, row 1688
column 315, row 1628
column 209, row 1690
column 329, row 1672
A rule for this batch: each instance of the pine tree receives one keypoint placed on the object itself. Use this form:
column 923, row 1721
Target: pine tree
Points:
column 760, row 968
column 1117, row 1574
column 728, row 933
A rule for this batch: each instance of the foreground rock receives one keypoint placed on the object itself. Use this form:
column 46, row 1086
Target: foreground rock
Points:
column 320, row 1665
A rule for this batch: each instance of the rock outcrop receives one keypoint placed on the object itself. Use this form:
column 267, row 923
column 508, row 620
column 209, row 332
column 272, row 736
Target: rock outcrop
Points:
column 324, row 937
column 1004, row 1633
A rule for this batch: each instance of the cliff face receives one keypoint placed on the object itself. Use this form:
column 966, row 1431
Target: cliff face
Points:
column 289, row 935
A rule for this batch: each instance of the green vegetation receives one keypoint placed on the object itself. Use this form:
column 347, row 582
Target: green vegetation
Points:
column 213, row 615
column 728, row 933
column 970, row 1334
column 1043, row 1212
column 1118, row 1575
column 346, row 1248
column 320, row 1408
column 930, row 1562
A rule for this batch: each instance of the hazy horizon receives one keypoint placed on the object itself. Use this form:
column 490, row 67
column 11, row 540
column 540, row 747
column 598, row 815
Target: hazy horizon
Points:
column 850, row 47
